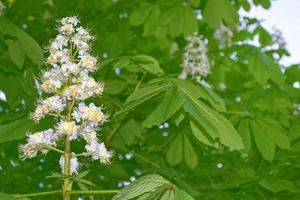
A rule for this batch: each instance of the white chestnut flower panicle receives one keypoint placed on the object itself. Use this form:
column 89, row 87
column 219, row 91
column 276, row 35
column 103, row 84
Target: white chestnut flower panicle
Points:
column 2, row 7
column 67, row 80
column 223, row 35
column 195, row 60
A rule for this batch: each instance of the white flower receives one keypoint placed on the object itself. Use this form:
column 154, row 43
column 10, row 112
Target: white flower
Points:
column 98, row 151
column 58, row 56
column 74, row 164
column 70, row 20
column 46, row 137
column 91, row 114
column 195, row 60
column 68, row 128
column 224, row 36
column 51, row 104
column 70, row 69
column 68, row 25
column 58, row 43
column 88, row 62
column 36, row 142
column 90, row 87
column 88, row 133
column 73, row 92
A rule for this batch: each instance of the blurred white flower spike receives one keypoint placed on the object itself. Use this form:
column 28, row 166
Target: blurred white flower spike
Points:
column 2, row 7
column 223, row 35
column 195, row 60
column 67, row 79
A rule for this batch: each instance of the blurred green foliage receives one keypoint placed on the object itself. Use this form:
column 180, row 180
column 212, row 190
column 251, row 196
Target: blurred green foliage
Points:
column 238, row 139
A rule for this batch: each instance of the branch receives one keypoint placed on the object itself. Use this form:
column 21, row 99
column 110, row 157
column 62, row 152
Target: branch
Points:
column 74, row 192
column 19, row 196
column 90, row 192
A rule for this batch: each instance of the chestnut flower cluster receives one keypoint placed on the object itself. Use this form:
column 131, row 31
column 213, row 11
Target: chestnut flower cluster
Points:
column 68, row 84
column 224, row 36
column 2, row 7
column 195, row 60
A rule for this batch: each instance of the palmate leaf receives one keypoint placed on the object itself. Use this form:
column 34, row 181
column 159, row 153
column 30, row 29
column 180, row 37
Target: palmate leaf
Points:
column 181, row 148
column 268, row 134
column 278, row 185
column 171, row 103
column 216, row 11
column 152, row 187
column 143, row 94
column 17, row 54
column 24, row 44
column 215, row 124
column 15, row 130
column 261, row 66
column 145, row 184
column 175, row 151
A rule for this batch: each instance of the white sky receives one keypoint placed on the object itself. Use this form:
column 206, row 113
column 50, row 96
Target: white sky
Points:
column 284, row 15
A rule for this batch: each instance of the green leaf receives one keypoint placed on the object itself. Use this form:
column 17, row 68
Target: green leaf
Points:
column 177, row 23
column 157, row 193
column 261, row 66
column 149, row 63
column 15, row 130
column 114, row 87
column 175, row 151
column 214, row 123
column 190, row 155
column 7, row 27
column 275, row 131
column 264, row 37
column 129, row 130
column 171, row 103
column 244, row 131
column 145, row 184
column 264, row 144
column 278, row 185
column 182, row 195
column 30, row 47
column 139, row 16
column 4, row 196
column 82, row 174
column 200, row 135
column 148, row 90
column 16, row 53
column 215, row 11
column 190, row 22
column 168, row 195
column 84, row 188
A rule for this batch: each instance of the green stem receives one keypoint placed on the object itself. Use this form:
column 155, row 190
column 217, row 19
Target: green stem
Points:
column 83, row 154
column 74, row 192
column 90, row 192
column 67, row 186
column 54, row 149
column 20, row 196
